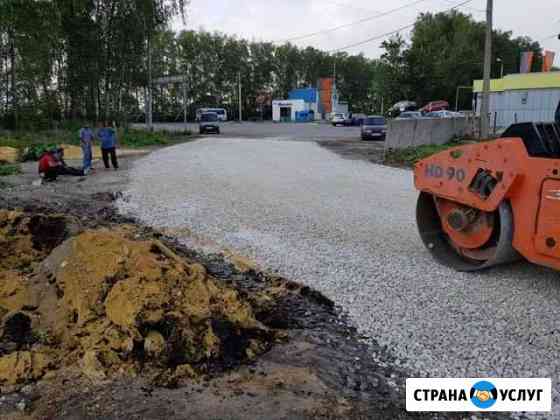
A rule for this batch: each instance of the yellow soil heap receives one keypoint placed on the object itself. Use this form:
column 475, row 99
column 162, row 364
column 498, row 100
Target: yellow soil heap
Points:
column 8, row 154
column 72, row 152
column 111, row 304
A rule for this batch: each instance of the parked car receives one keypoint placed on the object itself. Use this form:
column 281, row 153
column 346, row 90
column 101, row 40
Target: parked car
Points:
column 443, row 114
column 209, row 123
column 220, row 112
column 409, row 115
column 435, row 106
column 374, row 128
column 401, row 107
column 338, row 119
column 355, row 120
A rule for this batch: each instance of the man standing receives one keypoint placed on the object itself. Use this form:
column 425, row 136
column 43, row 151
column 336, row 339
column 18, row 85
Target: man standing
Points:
column 86, row 141
column 108, row 139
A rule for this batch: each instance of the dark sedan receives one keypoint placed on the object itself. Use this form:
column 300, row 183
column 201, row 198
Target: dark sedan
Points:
column 374, row 128
column 208, row 123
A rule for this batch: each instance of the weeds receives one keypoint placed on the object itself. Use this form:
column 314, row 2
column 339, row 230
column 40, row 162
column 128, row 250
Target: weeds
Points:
column 9, row 169
column 409, row 156
column 140, row 138
column 35, row 151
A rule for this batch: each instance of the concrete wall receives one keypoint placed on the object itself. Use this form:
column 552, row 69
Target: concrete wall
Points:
column 415, row 132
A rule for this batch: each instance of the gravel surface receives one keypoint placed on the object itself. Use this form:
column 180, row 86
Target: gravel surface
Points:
column 347, row 228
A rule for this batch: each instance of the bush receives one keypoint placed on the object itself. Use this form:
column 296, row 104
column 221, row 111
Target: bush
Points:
column 35, row 151
column 9, row 169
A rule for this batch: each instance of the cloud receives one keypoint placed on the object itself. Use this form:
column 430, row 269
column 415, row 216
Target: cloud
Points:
column 265, row 20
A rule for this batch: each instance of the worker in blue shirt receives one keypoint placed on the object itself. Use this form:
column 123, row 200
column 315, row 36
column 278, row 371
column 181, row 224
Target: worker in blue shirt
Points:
column 86, row 141
column 108, row 139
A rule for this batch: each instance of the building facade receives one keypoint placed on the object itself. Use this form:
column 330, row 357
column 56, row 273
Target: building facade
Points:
column 288, row 110
column 521, row 98
column 309, row 104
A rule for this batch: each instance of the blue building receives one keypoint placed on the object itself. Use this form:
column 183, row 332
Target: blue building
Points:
column 309, row 95
column 302, row 105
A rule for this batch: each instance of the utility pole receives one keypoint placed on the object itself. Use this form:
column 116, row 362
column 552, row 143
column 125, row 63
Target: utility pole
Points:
column 485, row 105
column 334, row 94
column 149, row 121
column 240, row 109
column 185, row 100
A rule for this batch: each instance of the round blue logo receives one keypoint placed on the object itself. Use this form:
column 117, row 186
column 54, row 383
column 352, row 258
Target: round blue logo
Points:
column 484, row 394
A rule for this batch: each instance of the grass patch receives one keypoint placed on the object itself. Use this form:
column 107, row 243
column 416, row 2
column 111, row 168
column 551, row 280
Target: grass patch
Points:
column 22, row 139
column 409, row 156
column 141, row 138
column 32, row 144
column 9, row 169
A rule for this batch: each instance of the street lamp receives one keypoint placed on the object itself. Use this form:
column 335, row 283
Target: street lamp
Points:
column 499, row 60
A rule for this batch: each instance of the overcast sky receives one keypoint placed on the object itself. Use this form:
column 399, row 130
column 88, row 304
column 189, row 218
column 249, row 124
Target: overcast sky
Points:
column 277, row 20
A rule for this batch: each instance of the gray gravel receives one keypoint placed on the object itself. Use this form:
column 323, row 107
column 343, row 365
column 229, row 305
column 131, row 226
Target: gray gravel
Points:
column 347, row 228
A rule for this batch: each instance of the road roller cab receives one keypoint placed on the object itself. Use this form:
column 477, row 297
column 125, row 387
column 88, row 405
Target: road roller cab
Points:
column 491, row 202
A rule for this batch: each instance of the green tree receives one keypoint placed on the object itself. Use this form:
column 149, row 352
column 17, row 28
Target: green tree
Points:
column 447, row 50
column 75, row 58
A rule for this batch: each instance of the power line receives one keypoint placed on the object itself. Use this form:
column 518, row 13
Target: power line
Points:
column 467, row 7
column 386, row 34
column 349, row 6
column 346, row 25
column 548, row 37
column 402, row 28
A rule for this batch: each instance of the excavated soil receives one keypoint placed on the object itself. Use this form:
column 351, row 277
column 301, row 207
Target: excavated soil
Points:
column 112, row 304
column 118, row 321
column 104, row 318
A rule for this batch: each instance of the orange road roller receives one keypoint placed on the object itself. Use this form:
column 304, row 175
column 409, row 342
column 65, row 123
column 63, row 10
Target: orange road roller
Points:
column 493, row 202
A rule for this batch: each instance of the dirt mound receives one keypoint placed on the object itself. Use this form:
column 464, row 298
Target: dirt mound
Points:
column 26, row 239
column 75, row 152
column 8, row 154
column 112, row 305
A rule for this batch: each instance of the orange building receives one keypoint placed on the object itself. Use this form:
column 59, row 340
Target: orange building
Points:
column 326, row 85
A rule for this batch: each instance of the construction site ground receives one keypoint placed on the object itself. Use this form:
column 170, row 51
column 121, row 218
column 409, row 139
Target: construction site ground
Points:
column 321, row 369
column 347, row 228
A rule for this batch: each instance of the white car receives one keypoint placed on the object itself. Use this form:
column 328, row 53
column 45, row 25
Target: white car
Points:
column 338, row 119
column 409, row 115
column 443, row 114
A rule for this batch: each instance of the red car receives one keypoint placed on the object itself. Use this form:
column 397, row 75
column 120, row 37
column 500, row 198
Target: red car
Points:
column 435, row 106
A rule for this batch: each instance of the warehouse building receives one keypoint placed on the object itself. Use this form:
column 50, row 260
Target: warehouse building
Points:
column 521, row 98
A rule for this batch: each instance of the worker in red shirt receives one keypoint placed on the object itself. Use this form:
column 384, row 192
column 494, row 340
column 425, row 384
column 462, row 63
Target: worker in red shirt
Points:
column 49, row 166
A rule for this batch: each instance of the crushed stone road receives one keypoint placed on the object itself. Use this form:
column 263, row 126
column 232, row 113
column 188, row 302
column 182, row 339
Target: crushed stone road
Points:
column 347, row 228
